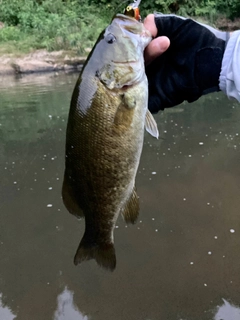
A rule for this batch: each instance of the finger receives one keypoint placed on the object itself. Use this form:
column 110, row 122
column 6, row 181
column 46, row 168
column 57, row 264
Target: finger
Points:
column 149, row 24
column 156, row 48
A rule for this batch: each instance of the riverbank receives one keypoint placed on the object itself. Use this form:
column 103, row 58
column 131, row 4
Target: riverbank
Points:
column 45, row 61
column 40, row 61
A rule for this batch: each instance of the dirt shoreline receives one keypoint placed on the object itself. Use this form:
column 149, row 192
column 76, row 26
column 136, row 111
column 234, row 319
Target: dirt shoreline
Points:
column 40, row 61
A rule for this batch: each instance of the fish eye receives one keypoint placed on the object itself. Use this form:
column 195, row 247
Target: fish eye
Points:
column 110, row 38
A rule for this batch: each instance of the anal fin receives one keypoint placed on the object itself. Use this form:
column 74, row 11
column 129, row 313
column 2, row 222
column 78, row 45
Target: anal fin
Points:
column 131, row 210
column 151, row 125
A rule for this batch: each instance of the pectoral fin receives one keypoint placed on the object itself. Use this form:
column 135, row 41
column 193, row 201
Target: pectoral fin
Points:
column 151, row 125
column 131, row 210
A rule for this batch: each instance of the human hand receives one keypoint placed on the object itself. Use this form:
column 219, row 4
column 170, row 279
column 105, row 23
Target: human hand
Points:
column 158, row 45
column 185, row 67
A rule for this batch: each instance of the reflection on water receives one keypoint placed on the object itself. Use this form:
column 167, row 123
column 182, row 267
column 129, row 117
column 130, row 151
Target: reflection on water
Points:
column 66, row 309
column 5, row 312
column 177, row 262
column 227, row 312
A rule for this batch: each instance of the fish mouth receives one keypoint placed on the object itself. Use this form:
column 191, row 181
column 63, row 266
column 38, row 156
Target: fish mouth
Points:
column 125, row 62
column 132, row 21
column 124, row 17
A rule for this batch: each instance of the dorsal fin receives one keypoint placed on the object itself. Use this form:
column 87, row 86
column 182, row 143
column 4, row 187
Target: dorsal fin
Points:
column 69, row 199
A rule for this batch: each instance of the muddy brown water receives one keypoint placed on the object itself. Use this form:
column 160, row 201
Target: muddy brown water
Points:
column 181, row 261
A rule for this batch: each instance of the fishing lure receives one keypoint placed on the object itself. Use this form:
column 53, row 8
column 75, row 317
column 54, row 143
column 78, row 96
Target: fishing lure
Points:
column 132, row 10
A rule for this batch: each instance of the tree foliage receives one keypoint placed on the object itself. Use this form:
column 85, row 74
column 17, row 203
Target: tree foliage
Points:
column 186, row 7
column 65, row 24
column 52, row 24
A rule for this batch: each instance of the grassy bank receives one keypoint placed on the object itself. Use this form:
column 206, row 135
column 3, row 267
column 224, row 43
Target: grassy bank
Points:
column 28, row 25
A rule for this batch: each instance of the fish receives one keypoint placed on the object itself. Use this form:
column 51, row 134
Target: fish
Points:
column 104, row 137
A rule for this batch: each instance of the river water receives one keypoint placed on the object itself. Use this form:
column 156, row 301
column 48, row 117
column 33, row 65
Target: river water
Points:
column 181, row 261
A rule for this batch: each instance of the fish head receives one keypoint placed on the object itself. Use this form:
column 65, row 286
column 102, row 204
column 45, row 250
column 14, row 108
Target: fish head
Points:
column 129, row 36
column 123, row 44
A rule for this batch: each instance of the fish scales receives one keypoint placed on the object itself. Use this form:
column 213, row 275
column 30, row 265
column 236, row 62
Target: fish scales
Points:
column 105, row 136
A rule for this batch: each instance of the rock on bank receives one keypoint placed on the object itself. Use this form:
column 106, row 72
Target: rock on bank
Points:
column 40, row 61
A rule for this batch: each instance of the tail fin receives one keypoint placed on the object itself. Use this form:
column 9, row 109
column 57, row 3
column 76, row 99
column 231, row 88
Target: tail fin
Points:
column 103, row 253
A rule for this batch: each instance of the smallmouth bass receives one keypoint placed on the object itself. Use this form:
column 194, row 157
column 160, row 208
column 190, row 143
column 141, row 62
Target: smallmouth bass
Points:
column 104, row 137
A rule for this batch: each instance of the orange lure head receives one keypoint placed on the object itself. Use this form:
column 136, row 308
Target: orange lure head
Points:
column 132, row 10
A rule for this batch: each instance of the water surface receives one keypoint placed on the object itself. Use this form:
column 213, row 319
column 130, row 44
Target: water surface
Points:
column 181, row 261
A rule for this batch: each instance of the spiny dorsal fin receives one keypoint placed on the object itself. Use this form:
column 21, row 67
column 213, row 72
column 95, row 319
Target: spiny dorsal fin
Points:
column 131, row 210
column 151, row 125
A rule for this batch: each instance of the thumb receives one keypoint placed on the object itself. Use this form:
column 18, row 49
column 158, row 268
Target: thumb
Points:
column 155, row 48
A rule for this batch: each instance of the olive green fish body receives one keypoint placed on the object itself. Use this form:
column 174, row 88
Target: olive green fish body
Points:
column 105, row 137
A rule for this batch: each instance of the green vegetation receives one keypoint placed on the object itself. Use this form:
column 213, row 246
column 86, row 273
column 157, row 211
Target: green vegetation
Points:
column 206, row 8
column 50, row 24
column 75, row 24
